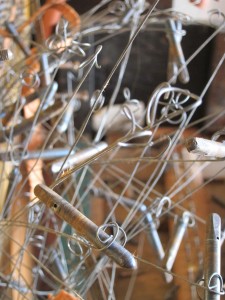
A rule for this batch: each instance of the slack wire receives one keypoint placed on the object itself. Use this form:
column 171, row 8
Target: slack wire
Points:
column 135, row 272
column 111, row 74
column 74, row 169
column 114, row 171
column 158, row 171
column 128, row 46
column 81, row 165
column 123, row 179
column 169, row 272
column 28, row 139
column 54, row 127
column 203, row 45
column 180, row 187
column 213, row 75
column 97, row 177
column 194, row 191
column 128, row 183
column 33, row 257
column 145, row 191
column 81, row 131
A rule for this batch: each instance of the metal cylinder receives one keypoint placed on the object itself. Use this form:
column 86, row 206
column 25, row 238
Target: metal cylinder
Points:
column 212, row 262
column 5, row 54
column 84, row 226
column 153, row 236
column 78, row 157
column 174, row 245
column 205, row 147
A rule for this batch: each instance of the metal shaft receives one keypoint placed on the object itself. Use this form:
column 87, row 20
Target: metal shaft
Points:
column 176, row 50
column 47, row 154
column 174, row 245
column 153, row 236
column 84, row 226
column 64, row 122
column 78, row 157
column 212, row 258
column 151, row 229
column 205, row 147
column 5, row 54
column 50, row 95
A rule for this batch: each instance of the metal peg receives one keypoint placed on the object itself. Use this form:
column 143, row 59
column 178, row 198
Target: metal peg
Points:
column 5, row 54
column 85, row 227
column 205, row 147
column 177, row 63
column 78, row 157
column 151, row 229
column 212, row 279
column 174, row 244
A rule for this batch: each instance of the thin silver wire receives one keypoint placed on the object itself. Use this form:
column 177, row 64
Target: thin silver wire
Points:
column 144, row 190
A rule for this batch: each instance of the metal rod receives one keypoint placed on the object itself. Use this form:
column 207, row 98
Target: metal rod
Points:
column 51, row 92
column 205, row 147
column 45, row 74
column 64, row 122
column 47, row 154
column 84, row 226
column 5, row 54
column 78, row 157
column 176, row 52
column 148, row 221
column 17, row 38
column 174, row 245
column 212, row 278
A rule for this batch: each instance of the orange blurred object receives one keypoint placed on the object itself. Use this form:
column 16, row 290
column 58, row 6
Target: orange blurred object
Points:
column 54, row 10
column 63, row 295
column 53, row 14
column 51, row 18
column 200, row 4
